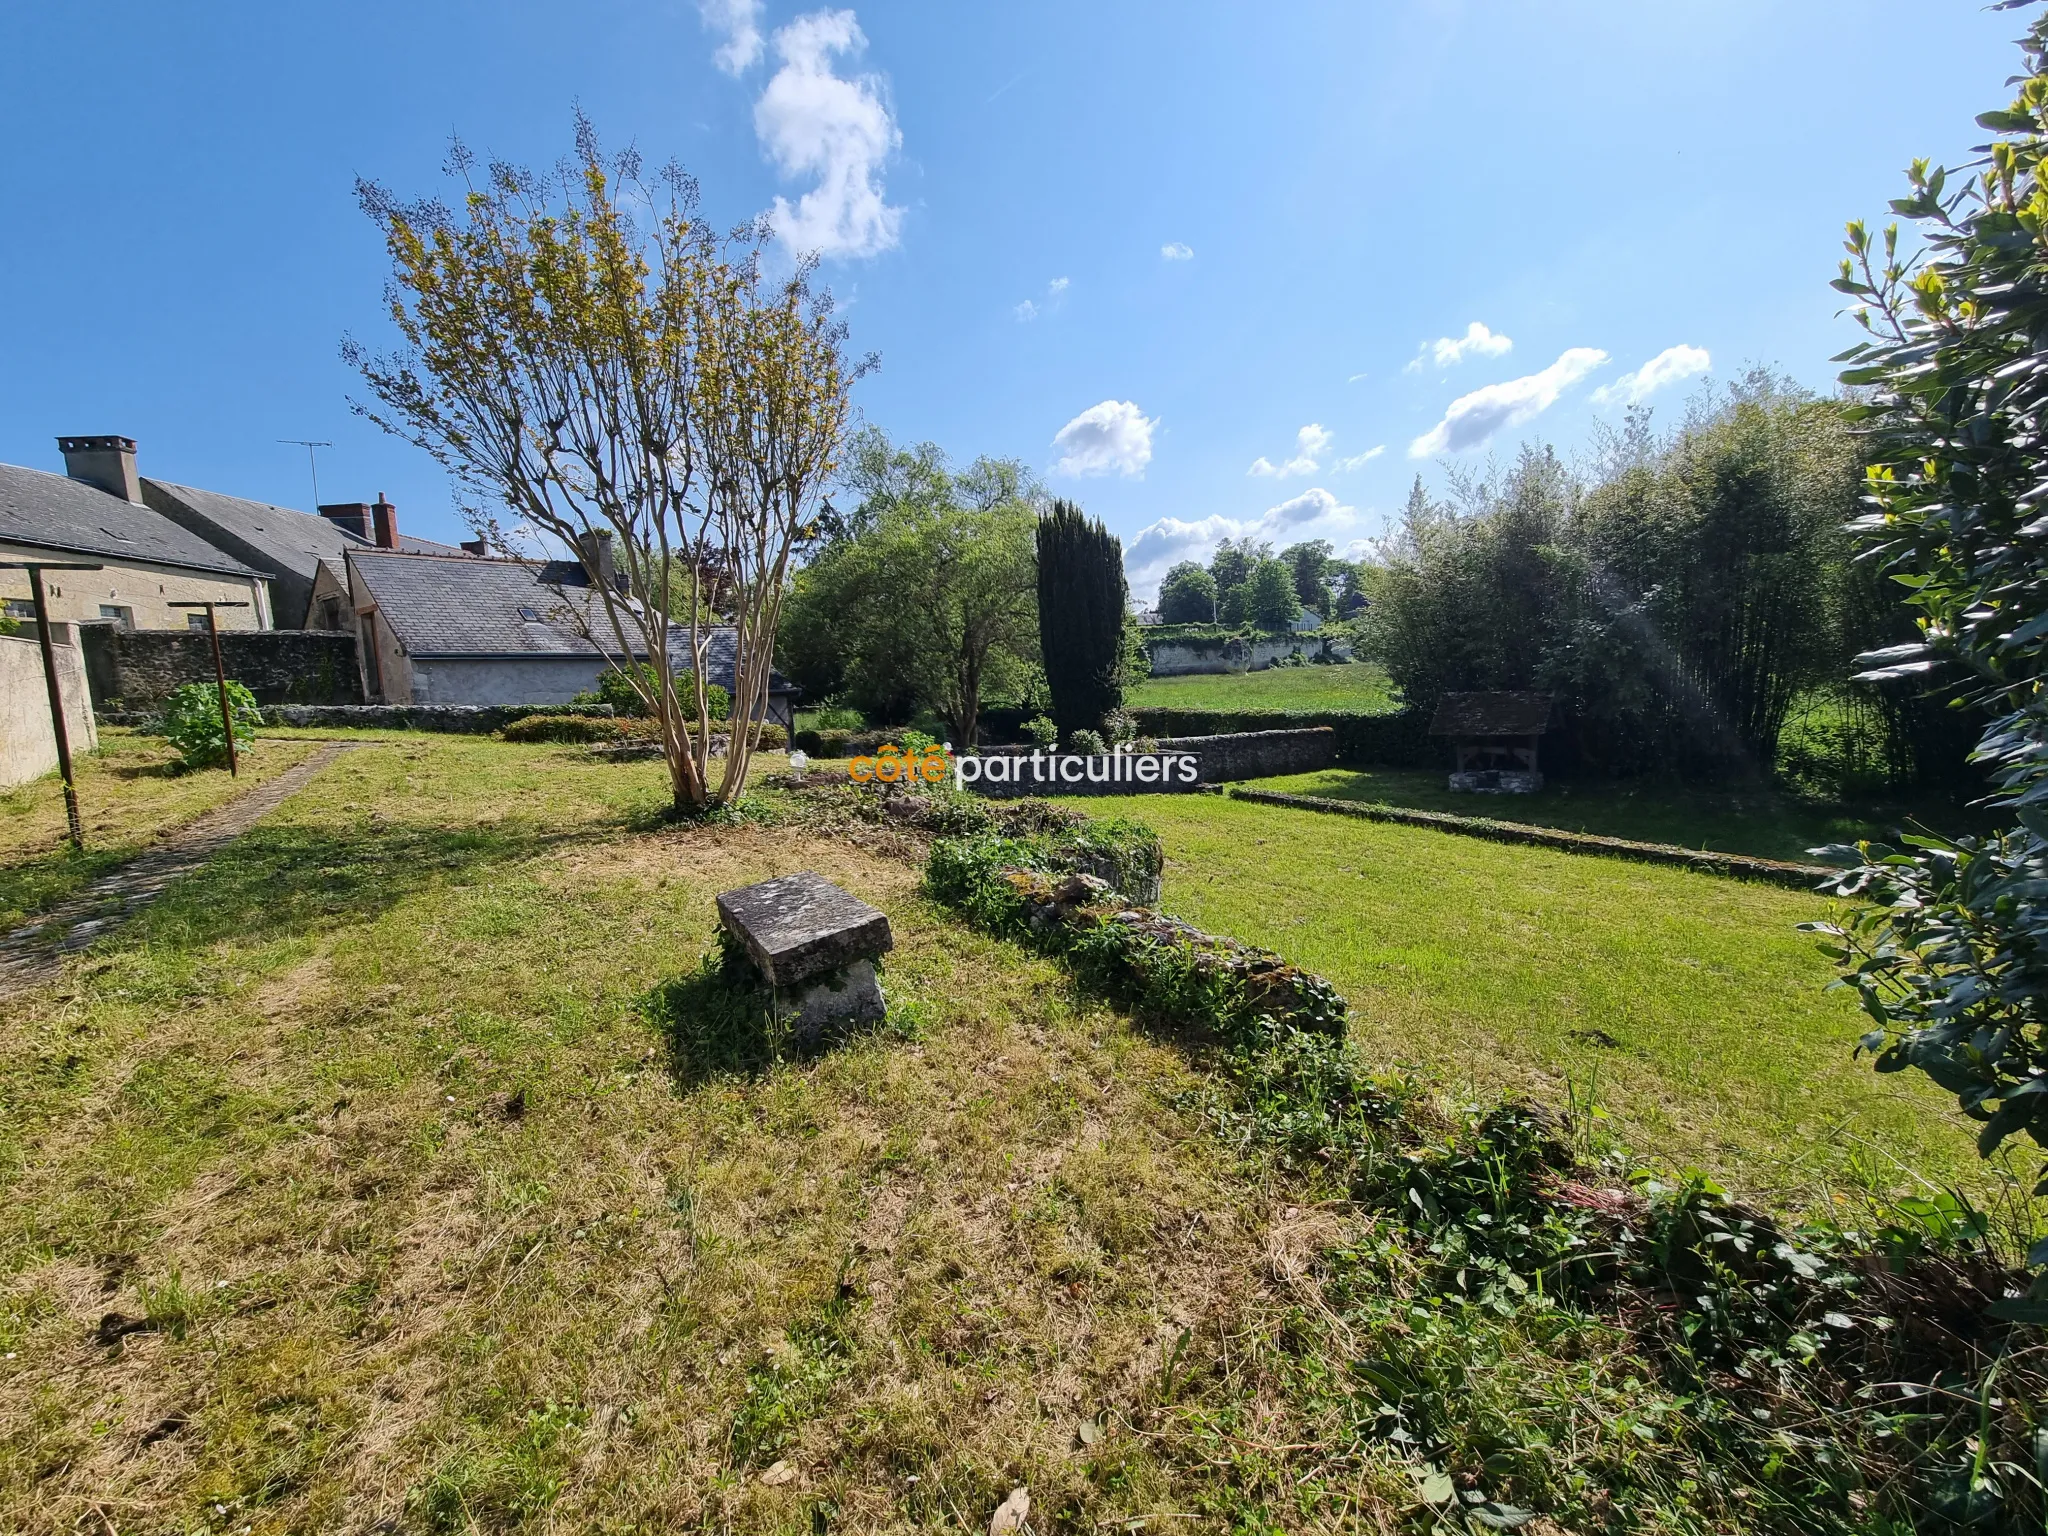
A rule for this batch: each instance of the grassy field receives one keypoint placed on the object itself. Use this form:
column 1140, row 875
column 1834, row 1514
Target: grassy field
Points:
column 130, row 793
column 1685, row 1002
column 364, row 1184
column 1770, row 823
column 358, row 1182
column 1358, row 686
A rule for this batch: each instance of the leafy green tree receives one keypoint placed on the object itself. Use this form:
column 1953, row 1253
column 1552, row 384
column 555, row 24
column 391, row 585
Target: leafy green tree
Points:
column 1312, row 564
column 1187, row 595
column 1082, row 604
column 1950, row 954
column 928, row 600
column 1270, row 602
column 1231, row 565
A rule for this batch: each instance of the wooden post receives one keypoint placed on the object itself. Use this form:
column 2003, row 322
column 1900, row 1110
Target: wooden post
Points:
column 220, row 678
column 58, row 725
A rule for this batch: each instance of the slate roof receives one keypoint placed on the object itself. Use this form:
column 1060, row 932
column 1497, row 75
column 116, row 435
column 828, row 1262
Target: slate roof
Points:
column 468, row 607
column 1491, row 714
column 290, row 540
column 447, row 606
column 58, row 513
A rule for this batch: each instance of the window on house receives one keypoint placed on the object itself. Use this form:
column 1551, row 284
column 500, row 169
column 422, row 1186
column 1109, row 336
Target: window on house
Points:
column 196, row 621
column 20, row 608
column 124, row 618
column 527, row 615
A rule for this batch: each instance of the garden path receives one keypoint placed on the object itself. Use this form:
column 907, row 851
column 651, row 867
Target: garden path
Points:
column 31, row 954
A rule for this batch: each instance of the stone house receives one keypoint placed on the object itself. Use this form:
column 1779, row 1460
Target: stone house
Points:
column 497, row 630
column 96, row 512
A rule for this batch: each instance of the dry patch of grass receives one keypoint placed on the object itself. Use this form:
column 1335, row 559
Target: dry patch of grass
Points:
column 353, row 1188
column 131, row 793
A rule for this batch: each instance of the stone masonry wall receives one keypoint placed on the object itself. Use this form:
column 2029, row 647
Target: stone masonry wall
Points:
column 1219, row 759
column 280, row 666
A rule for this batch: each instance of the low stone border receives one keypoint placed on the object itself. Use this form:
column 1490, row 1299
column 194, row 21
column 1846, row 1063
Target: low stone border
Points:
column 1740, row 865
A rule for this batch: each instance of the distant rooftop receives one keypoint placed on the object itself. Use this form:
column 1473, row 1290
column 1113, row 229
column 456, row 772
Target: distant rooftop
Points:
column 57, row 513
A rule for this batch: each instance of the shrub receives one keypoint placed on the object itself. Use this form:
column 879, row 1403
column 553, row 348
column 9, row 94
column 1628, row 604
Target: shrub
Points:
column 1040, row 731
column 1087, row 741
column 773, row 738
column 841, row 719
column 615, row 687
column 192, row 722
column 561, row 728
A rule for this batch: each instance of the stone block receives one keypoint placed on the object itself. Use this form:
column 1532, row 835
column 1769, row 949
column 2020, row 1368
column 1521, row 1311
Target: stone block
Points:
column 815, row 945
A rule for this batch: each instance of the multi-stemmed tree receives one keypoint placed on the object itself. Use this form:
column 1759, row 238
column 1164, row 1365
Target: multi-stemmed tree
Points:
column 601, row 370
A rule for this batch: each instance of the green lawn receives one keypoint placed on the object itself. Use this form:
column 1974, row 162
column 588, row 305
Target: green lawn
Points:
column 423, row 1223
column 1357, row 686
column 1767, row 822
column 1687, row 1002
column 131, row 792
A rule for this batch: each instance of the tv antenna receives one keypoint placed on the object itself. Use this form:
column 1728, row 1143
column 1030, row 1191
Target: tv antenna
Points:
column 311, row 464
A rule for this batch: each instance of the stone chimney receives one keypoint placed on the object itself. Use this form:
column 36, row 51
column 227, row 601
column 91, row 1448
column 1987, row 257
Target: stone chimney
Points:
column 595, row 551
column 349, row 516
column 384, row 523
column 105, row 463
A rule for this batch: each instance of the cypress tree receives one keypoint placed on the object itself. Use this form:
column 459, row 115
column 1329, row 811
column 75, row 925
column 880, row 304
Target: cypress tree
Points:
column 1081, row 603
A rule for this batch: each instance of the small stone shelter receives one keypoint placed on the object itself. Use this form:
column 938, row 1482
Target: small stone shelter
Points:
column 1494, row 737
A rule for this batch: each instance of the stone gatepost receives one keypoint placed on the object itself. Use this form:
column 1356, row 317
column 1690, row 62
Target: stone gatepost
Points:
column 815, row 946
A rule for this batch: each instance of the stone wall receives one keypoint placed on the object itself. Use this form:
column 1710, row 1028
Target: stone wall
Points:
column 280, row 666
column 1238, row 653
column 28, row 748
column 1218, row 759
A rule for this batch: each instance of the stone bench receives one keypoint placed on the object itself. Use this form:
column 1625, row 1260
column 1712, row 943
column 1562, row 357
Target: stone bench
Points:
column 815, row 946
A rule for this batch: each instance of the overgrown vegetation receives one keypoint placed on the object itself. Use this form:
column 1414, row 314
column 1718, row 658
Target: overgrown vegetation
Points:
column 1950, row 954
column 193, row 722
column 1680, row 600
column 1505, row 1233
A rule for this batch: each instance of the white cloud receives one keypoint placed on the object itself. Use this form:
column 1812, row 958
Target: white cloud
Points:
column 1667, row 367
column 1448, row 351
column 1114, row 437
column 739, row 21
column 1173, row 250
column 1159, row 546
column 1310, row 443
column 1474, row 418
column 1029, row 310
column 1358, row 460
column 813, row 123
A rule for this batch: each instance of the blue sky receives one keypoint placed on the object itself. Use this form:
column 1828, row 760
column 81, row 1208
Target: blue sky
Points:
column 1211, row 268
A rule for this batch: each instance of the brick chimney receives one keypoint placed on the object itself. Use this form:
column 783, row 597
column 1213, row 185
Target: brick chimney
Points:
column 384, row 523
column 595, row 551
column 349, row 516
column 105, row 463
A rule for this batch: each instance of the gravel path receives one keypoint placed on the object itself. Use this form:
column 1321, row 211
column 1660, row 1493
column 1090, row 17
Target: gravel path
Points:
column 33, row 953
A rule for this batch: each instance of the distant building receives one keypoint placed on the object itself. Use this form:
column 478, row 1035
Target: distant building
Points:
column 469, row 630
column 300, row 553
column 95, row 512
